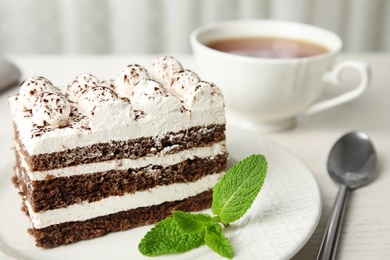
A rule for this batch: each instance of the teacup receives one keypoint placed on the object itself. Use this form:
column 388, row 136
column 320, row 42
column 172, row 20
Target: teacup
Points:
column 268, row 93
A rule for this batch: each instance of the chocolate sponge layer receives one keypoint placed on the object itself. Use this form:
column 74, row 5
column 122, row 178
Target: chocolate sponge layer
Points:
column 70, row 232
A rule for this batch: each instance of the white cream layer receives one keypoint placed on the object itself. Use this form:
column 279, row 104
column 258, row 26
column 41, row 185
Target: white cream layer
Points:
column 115, row 204
column 124, row 164
column 117, row 127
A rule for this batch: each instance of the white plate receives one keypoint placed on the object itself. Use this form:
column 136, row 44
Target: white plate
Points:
column 279, row 223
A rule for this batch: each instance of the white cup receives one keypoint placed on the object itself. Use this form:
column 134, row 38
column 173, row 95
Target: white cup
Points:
column 266, row 94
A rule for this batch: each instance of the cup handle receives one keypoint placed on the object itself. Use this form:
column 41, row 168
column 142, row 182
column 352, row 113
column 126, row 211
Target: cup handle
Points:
column 333, row 76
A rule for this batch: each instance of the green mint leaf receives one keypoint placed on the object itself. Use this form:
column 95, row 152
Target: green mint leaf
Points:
column 234, row 194
column 191, row 222
column 217, row 241
column 167, row 237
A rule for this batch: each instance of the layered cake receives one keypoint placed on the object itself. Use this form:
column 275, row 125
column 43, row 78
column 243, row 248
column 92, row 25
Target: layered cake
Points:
column 98, row 156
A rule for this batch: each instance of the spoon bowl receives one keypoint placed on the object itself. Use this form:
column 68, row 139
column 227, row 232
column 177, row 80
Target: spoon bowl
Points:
column 352, row 160
column 351, row 163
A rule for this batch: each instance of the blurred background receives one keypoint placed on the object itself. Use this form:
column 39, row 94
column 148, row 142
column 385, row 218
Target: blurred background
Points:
column 163, row 26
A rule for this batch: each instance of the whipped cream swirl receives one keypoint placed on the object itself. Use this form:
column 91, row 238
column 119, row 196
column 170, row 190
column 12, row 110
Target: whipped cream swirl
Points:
column 152, row 98
column 52, row 109
column 203, row 95
column 164, row 67
column 181, row 81
column 94, row 96
column 80, row 84
column 128, row 78
column 31, row 88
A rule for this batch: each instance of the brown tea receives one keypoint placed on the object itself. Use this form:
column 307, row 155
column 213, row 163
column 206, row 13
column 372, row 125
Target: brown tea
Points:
column 268, row 47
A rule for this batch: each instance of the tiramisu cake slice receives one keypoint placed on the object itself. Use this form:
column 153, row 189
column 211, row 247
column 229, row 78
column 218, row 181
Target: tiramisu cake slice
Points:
column 101, row 156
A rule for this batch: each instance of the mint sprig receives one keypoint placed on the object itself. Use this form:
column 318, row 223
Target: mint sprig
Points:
column 233, row 195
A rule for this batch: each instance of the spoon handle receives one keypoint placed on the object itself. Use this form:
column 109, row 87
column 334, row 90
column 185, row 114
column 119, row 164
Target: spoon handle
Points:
column 331, row 237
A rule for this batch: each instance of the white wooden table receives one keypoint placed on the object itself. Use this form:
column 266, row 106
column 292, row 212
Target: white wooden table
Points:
column 366, row 230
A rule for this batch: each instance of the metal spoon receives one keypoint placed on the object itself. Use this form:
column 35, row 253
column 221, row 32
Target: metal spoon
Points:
column 351, row 163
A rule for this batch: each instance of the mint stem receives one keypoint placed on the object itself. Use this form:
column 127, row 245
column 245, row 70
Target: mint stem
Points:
column 216, row 219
